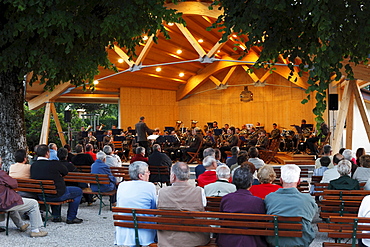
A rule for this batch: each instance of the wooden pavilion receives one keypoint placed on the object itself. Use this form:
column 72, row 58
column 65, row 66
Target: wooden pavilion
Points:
column 194, row 77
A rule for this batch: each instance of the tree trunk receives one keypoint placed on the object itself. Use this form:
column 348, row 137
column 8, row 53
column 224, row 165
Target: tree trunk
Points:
column 12, row 130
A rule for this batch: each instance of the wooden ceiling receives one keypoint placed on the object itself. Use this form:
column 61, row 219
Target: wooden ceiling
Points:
column 161, row 65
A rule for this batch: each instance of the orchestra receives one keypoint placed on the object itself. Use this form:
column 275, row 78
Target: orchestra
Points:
column 178, row 140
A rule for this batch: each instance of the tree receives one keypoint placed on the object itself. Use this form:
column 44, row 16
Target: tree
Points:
column 61, row 40
column 318, row 34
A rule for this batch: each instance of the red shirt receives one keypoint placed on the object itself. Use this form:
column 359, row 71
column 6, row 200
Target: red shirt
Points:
column 93, row 155
column 139, row 157
column 207, row 177
column 262, row 190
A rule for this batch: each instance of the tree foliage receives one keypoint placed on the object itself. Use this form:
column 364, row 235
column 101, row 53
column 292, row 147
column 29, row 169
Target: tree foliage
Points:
column 64, row 40
column 318, row 34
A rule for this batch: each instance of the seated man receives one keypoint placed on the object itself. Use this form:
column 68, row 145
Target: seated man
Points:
column 233, row 159
column 181, row 196
column 209, row 176
column 332, row 173
column 111, row 159
column 199, row 169
column 299, row 204
column 82, row 159
column 139, row 155
column 89, row 150
column 53, row 151
column 45, row 169
column 327, row 153
column 20, row 169
column 344, row 182
column 11, row 201
column 222, row 186
column 99, row 167
column 157, row 158
column 253, row 158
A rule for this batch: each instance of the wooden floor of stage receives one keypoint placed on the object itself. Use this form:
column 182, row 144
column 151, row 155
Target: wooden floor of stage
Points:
column 297, row 159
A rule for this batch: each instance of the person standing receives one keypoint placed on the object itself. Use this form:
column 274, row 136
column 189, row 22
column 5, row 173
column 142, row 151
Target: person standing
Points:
column 141, row 131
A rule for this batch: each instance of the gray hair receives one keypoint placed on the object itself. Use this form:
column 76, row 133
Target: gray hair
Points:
column 327, row 149
column 266, row 174
column 344, row 167
column 208, row 161
column 223, row 171
column 235, row 150
column 107, row 149
column 290, row 173
column 51, row 145
column 136, row 168
column 140, row 150
column 347, row 154
column 101, row 156
column 209, row 152
column 181, row 171
column 156, row 147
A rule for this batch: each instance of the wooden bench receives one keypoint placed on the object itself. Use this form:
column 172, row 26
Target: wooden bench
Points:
column 90, row 178
column 159, row 171
column 341, row 203
column 42, row 188
column 86, row 169
column 213, row 203
column 341, row 228
column 192, row 221
column 120, row 172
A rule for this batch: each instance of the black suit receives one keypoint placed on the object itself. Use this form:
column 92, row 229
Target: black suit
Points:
column 159, row 159
column 141, row 131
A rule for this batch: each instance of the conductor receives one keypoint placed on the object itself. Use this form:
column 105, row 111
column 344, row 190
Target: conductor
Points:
column 141, row 131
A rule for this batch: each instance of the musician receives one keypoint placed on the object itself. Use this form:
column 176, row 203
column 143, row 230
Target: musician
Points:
column 194, row 144
column 209, row 140
column 262, row 140
column 324, row 131
column 108, row 138
column 80, row 137
column 252, row 137
column 231, row 141
column 141, row 131
column 91, row 139
column 173, row 150
column 275, row 133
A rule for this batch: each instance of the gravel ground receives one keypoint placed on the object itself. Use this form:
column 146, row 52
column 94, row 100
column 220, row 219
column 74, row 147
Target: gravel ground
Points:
column 96, row 230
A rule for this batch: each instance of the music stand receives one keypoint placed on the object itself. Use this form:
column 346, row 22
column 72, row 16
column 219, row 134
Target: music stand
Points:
column 84, row 134
column 133, row 132
column 210, row 125
column 119, row 138
column 217, row 132
column 99, row 132
column 308, row 126
column 116, row 131
column 169, row 129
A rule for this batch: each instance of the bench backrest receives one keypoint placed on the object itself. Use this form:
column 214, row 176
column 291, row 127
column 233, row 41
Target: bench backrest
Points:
column 36, row 186
column 213, row 203
column 91, row 178
column 120, row 172
column 346, row 227
column 86, row 169
column 193, row 221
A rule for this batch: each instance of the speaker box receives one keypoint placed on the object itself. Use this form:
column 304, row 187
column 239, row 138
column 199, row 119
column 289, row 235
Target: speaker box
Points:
column 333, row 102
column 67, row 116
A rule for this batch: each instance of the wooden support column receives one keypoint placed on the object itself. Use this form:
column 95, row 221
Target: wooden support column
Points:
column 362, row 108
column 45, row 125
column 57, row 123
column 342, row 114
column 349, row 123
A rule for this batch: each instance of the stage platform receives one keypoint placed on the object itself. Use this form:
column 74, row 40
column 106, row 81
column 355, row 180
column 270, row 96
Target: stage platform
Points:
column 297, row 159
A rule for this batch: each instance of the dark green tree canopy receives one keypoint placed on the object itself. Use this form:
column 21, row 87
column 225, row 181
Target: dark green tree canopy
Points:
column 320, row 33
column 64, row 40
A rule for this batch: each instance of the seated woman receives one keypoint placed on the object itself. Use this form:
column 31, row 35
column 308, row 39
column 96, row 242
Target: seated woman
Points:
column 344, row 182
column 139, row 155
column 138, row 193
column 242, row 201
column 266, row 175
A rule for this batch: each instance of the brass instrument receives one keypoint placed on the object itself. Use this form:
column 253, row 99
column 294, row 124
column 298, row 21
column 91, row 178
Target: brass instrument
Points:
column 89, row 128
column 101, row 126
column 178, row 124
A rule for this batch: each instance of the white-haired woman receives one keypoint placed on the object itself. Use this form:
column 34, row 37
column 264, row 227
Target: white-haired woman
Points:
column 138, row 193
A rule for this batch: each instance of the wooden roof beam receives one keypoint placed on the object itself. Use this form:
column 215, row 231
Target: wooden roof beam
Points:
column 198, row 48
column 228, row 75
column 47, row 96
column 144, row 52
column 123, row 55
column 215, row 48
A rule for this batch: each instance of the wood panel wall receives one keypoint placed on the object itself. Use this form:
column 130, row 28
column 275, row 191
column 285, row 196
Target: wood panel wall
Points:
column 270, row 104
column 158, row 106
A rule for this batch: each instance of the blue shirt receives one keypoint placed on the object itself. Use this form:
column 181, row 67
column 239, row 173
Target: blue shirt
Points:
column 99, row 167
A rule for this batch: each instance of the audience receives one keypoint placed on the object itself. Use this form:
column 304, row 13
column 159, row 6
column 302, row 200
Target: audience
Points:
column 209, row 176
column 347, row 154
column 299, row 204
column 157, row 158
column 325, row 161
column 99, row 167
column 362, row 173
column 266, row 176
column 11, row 201
column 89, row 150
column 70, row 155
column 253, row 158
column 53, row 151
column 20, row 169
column 327, row 153
column 82, row 159
column 222, row 186
column 138, row 193
column 241, row 201
column 181, row 196
column 364, row 211
column 199, row 169
column 218, row 157
column 332, row 173
column 139, row 155
column 62, row 154
column 242, row 157
column 344, row 182
column 45, row 169
column 112, row 160
column 234, row 155
column 359, row 153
